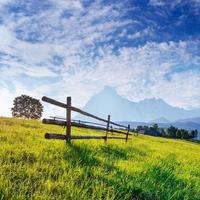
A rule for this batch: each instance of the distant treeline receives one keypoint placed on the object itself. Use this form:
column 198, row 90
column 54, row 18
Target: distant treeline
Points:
column 171, row 132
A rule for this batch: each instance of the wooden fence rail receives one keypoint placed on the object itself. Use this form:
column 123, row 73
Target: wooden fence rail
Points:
column 62, row 105
column 78, row 121
column 63, row 137
column 75, row 124
column 68, row 123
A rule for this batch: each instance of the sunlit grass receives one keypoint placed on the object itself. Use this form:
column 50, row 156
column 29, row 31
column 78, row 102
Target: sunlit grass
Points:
column 32, row 167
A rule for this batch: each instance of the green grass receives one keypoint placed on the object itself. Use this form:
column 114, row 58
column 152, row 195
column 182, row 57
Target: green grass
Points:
column 32, row 167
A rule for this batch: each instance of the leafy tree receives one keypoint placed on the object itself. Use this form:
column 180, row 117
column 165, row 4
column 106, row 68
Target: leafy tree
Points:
column 184, row 134
column 139, row 128
column 27, row 107
column 155, row 127
column 178, row 133
column 162, row 132
column 171, row 132
column 193, row 133
column 145, row 128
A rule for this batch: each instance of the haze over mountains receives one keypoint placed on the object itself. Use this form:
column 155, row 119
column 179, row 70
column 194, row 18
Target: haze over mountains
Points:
column 149, row 110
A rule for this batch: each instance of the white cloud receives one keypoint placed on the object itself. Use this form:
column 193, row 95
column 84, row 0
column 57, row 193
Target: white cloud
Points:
column 4, row 2
column 6, row 99
column 182, row 90
column 38, row 71
column 136, row 72
column 69, row 4
column 140, row 34
column 194, row 4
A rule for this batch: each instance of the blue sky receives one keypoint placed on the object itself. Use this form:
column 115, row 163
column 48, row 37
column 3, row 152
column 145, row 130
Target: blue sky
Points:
column 144, row 49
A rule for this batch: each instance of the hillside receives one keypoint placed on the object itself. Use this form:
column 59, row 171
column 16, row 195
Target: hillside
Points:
column 144, row 168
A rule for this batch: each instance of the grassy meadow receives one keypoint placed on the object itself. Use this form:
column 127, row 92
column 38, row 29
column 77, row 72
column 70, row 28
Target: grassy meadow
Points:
column 146, row 167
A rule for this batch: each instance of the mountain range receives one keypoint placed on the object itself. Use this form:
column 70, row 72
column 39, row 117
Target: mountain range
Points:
column 148, row 110
column 145, row 112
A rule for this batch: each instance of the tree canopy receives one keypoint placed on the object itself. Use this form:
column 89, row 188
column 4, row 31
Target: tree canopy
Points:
column 27, row 107
column 170, row 132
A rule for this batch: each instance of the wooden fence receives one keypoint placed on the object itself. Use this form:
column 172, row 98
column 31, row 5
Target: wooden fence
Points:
column 68, row 123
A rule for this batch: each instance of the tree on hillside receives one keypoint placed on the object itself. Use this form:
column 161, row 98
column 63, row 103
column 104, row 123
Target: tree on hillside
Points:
column 27, row 107
column 145, row 128
column 162, row 132
column 193, row 134
column 171, row 132
column 155, row 127
column 139, row 128
column 184, row 134
column 178, row 133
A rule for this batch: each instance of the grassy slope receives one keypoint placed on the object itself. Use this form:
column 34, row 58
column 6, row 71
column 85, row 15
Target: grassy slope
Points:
column 146, row 167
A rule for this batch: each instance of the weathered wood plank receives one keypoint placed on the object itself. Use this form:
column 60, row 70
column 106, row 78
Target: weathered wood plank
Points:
column 127, row 132
column 87, row 137
column 68, row 117
column 88, row 126
column 55, row 136
column 97, row 128
column 63, row 123
column 54, row 102
column 108, row 124
column 54, row 122
column 116, row 124
column 63, row 137
column 94, row 137
column 86, row 122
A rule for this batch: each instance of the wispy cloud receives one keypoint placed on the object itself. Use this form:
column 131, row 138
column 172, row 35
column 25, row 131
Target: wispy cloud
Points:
column 78, row 47
column 192, row 4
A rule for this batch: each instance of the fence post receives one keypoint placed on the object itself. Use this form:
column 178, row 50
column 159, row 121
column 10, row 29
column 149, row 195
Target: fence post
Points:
column 107, row 128
column 127, row 132
column 68, row 120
